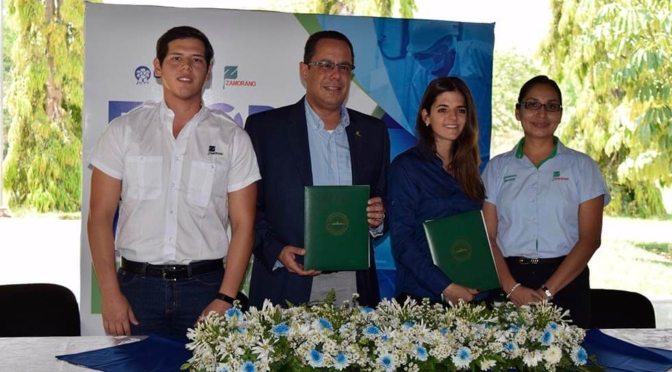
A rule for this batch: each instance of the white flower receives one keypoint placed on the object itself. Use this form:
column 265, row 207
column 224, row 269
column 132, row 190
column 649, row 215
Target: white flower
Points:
column 532, row 358
column 487, row 364
column 552, row 355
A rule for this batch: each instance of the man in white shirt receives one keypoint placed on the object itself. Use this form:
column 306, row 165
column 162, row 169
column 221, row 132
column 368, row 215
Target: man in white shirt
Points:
column 180, row 173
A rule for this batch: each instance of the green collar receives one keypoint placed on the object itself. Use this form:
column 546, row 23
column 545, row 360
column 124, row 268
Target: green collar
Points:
column 519, row 150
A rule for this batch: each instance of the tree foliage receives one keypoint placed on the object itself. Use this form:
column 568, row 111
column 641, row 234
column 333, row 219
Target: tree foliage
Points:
column 44, row 101
column 510, row 71
column 614, row 58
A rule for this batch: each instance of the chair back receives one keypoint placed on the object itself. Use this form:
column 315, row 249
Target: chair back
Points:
column 612, row 308
column 33, row 310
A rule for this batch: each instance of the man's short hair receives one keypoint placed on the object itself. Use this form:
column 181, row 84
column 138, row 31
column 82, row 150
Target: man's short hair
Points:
column 309, row 50
column 183, row 32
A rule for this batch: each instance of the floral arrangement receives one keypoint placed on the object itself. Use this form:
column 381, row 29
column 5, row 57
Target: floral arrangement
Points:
column 410, row 337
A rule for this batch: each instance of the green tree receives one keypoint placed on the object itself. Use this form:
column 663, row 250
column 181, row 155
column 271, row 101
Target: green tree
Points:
column 509, row 72
column 613, row 58
column 44, row 102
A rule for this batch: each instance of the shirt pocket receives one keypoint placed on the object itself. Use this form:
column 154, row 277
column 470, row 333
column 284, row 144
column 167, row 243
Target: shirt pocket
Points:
column 201, row 178
column 143, row 177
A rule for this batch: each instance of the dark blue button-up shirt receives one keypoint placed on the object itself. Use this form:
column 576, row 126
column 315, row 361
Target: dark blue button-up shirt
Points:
column 419, row 189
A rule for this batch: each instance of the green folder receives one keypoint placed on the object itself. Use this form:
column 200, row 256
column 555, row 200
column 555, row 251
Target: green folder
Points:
column 336, row 228
column 460, row 247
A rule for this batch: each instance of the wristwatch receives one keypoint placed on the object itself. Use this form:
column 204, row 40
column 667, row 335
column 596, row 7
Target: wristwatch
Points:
column 547, row 292
column 228, row 299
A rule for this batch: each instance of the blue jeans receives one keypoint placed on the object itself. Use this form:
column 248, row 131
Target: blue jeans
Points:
column 166, row 307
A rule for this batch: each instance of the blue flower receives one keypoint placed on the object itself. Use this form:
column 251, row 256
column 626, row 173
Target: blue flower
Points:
column 510, row 347
column 315, row 358
column 341, row 361
column 222, row 368
column 325, row 324
column 443, row 331
column 366, row 310
column 547, row 338
column 421, row 352
column 233, row 312
column 371, row 331
column 514, row 328
column 462, row 358
column 387, row 361
column 248, row 367
column 280, row 329
column 579, row 356
column 552, row 326
column 408, row 325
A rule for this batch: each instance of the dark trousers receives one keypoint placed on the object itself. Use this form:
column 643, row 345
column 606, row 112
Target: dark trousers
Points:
column 575, row 297
column 168, row 307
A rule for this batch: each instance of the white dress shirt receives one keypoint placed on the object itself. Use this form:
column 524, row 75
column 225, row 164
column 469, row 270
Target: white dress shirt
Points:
column 174, row 196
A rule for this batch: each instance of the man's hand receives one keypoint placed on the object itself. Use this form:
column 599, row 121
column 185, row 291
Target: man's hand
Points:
column 455, row 292
column 375, row 212
column 217, row 306
column 117, row 315
column 288, row 258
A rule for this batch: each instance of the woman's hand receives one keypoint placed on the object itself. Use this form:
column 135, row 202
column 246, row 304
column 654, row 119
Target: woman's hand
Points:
column 524, row 296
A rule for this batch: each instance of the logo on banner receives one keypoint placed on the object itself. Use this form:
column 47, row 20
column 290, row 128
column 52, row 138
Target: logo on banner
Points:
column 231, row 78
column 142, row 75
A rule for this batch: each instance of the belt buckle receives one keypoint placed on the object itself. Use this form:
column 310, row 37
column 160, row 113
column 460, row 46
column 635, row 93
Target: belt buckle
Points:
column 169, row 273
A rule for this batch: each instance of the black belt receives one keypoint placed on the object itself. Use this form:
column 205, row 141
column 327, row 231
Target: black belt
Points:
column 171, row 272
column 535, row 261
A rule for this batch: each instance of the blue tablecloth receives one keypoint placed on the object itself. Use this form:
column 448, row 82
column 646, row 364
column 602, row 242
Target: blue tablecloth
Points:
column 160, row 354
column 617, row 355
column 151, row 354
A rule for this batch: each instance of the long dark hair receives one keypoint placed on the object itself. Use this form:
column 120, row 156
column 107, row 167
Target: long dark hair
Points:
column 464, row 154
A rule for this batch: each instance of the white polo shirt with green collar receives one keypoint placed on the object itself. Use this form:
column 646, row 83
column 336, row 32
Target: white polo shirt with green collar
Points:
column 538, row 206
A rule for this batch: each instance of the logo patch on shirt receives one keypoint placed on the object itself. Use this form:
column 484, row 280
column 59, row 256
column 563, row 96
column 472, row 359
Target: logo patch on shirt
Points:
column 510, row 177
column 212, row 150
column 558, row 177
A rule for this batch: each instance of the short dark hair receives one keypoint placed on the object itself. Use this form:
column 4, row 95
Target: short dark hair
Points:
column 538, row 80
column 183, row 32
column 311, row 43
column 464, row 152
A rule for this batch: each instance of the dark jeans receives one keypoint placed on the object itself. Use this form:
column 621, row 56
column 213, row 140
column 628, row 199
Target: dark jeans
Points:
column 166, row 307
column 575, row 297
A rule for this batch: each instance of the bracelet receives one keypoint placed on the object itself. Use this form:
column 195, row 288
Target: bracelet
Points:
column 226, row 298
column 547, row 292
column 515, row 286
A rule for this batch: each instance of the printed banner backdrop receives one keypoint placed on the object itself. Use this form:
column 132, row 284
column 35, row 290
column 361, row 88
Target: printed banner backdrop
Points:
column 256, row 68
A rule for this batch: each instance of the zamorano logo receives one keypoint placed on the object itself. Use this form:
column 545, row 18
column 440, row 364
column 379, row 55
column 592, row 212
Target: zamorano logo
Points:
column 337, row 223
column 231, row 78
column 461, row 250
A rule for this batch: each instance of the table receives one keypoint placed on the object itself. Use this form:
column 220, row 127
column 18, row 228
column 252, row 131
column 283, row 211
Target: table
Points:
column 38, row 353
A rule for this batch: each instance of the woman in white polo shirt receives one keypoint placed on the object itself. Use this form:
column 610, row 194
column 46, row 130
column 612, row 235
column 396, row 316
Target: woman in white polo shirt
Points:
column 543, row 209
